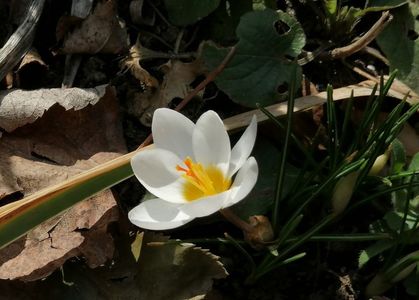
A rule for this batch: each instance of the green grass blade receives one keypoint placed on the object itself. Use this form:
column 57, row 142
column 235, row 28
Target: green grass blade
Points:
column 32, row 213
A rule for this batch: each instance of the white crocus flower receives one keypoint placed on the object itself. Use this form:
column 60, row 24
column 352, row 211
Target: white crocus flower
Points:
column 191, row 169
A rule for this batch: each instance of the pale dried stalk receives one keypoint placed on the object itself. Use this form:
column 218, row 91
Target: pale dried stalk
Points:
column 362, row 42
column 21, row 40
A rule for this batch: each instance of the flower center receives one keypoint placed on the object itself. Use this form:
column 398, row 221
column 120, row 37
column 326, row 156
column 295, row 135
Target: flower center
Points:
column 202, row 181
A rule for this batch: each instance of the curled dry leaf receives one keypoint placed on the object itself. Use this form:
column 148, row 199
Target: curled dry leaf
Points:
column 32, row 70
column 132, row 63
column 59, row 145
column 100, row 32
column 141, row 13
column 176, row 84
column 19, row 107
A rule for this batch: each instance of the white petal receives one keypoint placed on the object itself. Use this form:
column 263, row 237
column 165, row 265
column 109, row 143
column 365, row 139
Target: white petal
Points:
column 211, row 143
column 157, row 214
column 243, row 148
column 205, row 206
column 173, row 131
column 156, row 170
column 244, row 182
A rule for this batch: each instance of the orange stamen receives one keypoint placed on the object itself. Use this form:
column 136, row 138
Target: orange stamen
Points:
column 202, row 181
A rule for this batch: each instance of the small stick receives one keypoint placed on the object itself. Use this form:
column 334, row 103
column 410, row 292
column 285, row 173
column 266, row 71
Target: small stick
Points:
column 375, row 53
column 361, row 43
column 210, row 77
column 361, row 72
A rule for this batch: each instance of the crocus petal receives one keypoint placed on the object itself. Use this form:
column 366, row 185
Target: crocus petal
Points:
column 157, row 214
column 211, row 143
column 205, row 206
column 243, row 148
column 244, row 182
column 173, row 131
column 156, row 170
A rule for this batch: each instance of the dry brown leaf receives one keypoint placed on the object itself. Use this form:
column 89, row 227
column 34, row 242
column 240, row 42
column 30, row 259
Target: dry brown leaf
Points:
column 59, row 145
column 141, row 13
column 100, row 32
column 132, row 63
column 177, row 79
column 49, row 245
column 19, row 107
column 31, row 71
column 176, row 84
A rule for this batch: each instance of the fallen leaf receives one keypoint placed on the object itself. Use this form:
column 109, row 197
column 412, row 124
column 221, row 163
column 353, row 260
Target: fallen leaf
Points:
column 61, row 144
column 49, row 245
column 141, row 13
column 137, row 245
column 31, row 71
column 100, row 32
column 167, row 271
column 184, row 270
column 176, row 84
column 137, row 53
column 20, row 107
column 177, row 79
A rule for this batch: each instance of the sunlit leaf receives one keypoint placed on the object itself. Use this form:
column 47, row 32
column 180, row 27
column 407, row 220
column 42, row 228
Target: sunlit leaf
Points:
column 262, row 66
column 399, row 41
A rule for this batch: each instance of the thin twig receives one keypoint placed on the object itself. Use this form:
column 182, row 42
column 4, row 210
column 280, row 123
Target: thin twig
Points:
column 361, row 72
column 178, row 41
column 375, row 53
column 361, row 43
column 210, row 77
column 158, row 12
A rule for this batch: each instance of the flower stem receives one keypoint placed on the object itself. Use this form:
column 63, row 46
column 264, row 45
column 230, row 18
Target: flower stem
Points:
column 235, row 220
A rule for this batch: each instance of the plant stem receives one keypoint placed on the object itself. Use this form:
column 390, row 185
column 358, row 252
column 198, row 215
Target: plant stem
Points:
column 235, row 220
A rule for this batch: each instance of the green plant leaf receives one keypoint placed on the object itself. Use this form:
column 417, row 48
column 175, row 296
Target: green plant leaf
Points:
column 263, row 4
column 385, row 4
column 398, row 157
column 414, row 163
column 222, row 23
column 331, row 7
column 400, row 44
column 261, row 197
column 394, row 220
column 268, row 42
column 186, row 12
column 411, row 284
column 372, row 251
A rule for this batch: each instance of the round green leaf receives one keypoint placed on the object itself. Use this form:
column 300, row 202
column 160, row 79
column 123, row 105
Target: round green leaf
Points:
column 400, row 44
column 186, row 12
column 264, row 60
